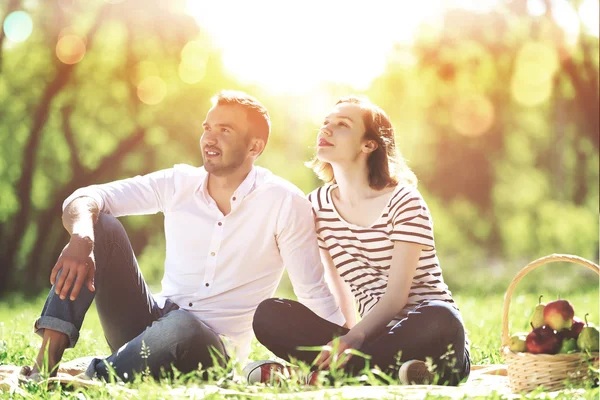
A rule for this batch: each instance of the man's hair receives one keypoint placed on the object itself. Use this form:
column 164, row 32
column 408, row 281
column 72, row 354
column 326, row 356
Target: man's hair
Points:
column 260, row 123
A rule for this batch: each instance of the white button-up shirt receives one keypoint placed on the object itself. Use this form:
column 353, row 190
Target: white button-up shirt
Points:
column 220, row 267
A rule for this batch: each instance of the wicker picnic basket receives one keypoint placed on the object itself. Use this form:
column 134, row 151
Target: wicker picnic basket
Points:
column 527, row 371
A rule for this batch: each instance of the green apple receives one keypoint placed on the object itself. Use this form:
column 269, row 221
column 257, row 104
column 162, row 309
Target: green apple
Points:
column 589, row 338
column 568, row 346
column 537, row 319
column 516, row 342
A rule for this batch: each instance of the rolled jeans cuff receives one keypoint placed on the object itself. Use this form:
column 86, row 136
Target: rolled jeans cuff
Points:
column 57, row 325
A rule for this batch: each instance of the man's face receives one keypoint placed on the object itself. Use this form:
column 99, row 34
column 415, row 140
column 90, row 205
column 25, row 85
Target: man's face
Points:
column 225, row 143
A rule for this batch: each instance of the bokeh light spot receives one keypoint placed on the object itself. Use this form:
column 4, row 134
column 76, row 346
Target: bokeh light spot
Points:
column 530, row 93
column 536, row 62
column 192, row 73
column 18, row 26
column 473, row 115
column 193, row 62
column 152, row 90
column 70, row 49
column 194, row 52
column 535, row 66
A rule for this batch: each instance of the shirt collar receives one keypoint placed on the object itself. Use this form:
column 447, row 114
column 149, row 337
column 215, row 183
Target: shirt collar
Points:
column 240, row 193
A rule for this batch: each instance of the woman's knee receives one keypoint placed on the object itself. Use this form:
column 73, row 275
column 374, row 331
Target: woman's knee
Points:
column 267, row 313
column 443, row 315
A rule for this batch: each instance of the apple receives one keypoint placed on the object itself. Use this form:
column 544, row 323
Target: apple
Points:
column 558, row 314
column 537, row 319
column 575, row 329
column 542, row 340
column 589, row 338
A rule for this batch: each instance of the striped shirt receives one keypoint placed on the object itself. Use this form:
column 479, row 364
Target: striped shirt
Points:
column 362, row 255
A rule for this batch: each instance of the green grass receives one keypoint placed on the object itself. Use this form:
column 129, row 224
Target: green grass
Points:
column 482, row 314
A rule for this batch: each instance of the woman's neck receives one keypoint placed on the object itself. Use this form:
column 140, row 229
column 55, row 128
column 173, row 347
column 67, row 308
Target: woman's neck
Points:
column 353, row 183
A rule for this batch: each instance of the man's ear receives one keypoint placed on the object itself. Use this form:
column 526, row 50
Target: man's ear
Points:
column 369, row 146
column 257, row 147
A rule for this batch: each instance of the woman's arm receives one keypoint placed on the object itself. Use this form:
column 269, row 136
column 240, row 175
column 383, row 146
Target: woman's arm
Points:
column 405, row 259
column 340, row 289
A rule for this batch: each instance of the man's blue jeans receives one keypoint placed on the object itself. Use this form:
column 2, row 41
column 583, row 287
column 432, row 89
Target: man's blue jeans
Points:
column 142, row 335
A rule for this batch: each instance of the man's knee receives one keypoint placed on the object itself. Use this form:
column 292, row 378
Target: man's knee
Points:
column 193, row 341
column 181, row 326
column 108, row 226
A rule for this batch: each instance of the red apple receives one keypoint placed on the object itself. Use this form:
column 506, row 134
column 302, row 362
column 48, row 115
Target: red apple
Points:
column 575, row 329
column 543, row 340
column 558, row 314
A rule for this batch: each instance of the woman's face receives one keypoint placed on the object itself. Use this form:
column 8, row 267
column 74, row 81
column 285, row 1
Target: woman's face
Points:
column 341, row 137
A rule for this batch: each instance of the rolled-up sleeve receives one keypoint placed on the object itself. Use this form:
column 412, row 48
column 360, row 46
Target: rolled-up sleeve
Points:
column 299, row 250
column 142, row 194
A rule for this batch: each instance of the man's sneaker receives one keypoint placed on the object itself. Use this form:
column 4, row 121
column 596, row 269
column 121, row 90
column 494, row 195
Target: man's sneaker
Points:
column 268, row 371
column 415, row 372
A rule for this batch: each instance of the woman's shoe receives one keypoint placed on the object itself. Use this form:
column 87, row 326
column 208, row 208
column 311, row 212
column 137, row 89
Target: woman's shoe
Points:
column 272, row 372
column 265, row 371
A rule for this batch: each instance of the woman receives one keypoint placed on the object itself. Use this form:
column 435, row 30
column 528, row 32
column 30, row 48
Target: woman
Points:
column 376, row 238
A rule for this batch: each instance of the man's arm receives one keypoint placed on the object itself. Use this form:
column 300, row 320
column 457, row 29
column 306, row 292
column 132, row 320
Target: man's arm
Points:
column 146, row 194
column 76, row 260
column 80, row 215
column 297, row 242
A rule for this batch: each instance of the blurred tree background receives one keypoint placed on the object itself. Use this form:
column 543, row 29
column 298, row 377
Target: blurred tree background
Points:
column 495, row 111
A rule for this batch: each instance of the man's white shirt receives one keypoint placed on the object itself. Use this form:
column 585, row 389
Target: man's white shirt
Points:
column 220, row 267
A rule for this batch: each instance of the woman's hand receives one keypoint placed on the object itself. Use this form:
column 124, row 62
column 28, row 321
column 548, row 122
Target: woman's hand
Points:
column 339, row 351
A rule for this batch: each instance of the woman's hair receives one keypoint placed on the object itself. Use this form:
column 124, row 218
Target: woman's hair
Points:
column 386, row 165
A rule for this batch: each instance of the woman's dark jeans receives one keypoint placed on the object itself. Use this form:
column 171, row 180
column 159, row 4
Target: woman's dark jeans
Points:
column 434, row 330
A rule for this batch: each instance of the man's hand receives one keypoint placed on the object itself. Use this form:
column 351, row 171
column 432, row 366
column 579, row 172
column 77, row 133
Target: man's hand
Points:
column 339, row 352
column 78, row 267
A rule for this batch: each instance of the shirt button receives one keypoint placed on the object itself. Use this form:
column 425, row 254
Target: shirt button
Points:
column 212, row 254
column 190, row 304
column 233, row 199
column 207, row 284
column 220, row 223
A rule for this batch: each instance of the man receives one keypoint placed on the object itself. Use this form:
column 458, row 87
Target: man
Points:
column 230, row 228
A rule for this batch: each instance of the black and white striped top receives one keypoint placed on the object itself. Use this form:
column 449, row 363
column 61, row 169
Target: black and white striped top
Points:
column 362, row 255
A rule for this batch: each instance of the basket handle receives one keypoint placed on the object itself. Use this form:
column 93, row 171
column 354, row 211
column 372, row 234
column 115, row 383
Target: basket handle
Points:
column 531, row 266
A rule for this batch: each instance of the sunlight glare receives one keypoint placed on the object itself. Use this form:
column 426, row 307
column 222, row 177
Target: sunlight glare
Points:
column 588, row 12
column 536, row 8
column 566, row 17
column 295, row 47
